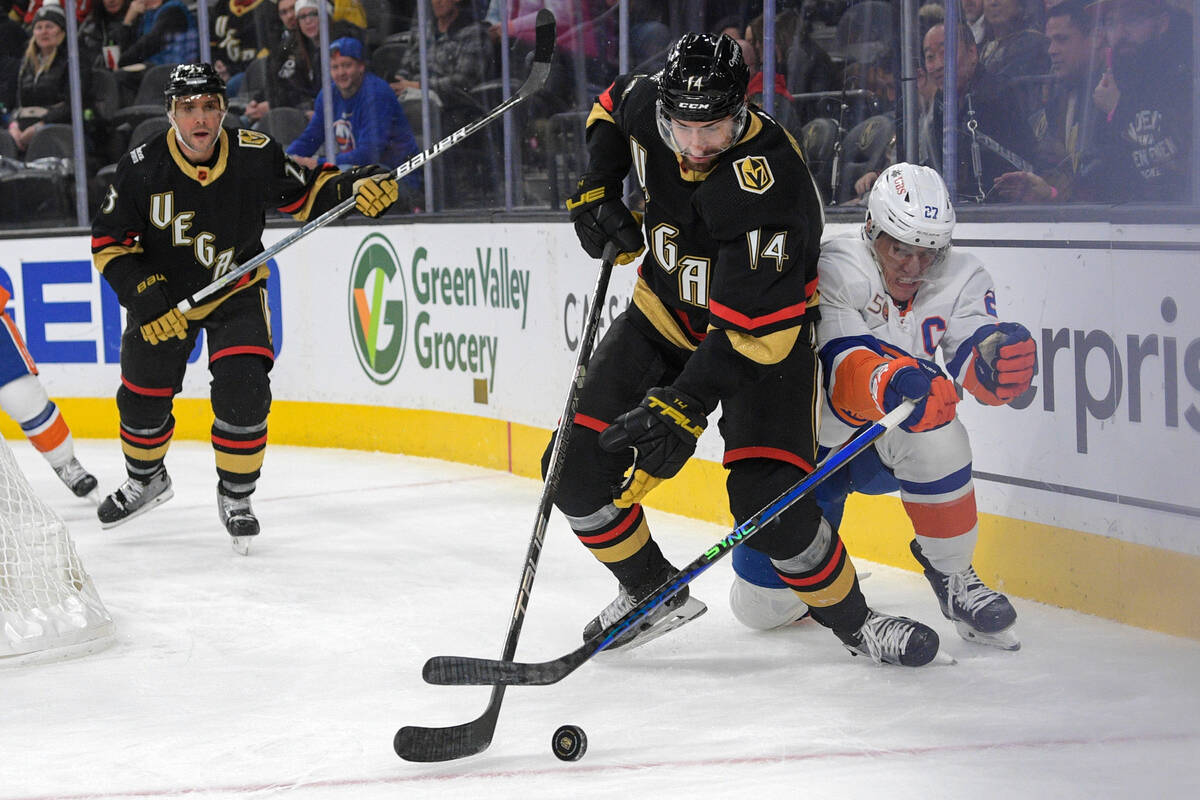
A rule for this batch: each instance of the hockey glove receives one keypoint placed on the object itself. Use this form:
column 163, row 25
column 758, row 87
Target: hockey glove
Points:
column 154, row 313
column 375, row 194
column 600, row 217
column 919, row 380
column 1005, row 363
column 662, row 431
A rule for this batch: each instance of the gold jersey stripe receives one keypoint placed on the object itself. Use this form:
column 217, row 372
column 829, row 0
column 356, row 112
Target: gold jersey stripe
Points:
column 659, row 315
column 769, row 349
column 101, row 258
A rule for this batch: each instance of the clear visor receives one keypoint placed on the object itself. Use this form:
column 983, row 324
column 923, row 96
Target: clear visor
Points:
column 700, row 140
column 197, row 104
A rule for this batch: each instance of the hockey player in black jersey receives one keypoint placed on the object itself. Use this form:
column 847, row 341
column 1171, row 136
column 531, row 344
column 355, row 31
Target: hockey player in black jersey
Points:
column 181, row 211
column 723, row 312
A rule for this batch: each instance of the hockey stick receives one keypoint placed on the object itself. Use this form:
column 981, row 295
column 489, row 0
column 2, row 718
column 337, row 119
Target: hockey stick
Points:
column 463, row 670
column 543, row 51
column 414, row 743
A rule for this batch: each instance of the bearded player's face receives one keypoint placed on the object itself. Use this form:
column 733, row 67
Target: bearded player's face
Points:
column 197, row 121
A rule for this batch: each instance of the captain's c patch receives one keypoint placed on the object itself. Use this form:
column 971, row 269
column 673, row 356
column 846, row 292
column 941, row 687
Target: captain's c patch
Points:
column 753, row 174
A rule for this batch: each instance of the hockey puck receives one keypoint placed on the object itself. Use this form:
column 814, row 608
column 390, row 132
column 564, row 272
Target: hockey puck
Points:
column 569, row 743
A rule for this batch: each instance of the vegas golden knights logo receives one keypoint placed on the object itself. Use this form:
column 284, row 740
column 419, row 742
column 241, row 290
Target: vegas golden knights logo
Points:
column 753, row 174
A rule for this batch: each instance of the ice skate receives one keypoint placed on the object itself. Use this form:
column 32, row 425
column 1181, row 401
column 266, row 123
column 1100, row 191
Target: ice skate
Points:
column 238, row 518
column 979, row 613
column 135, row 498
column 81, row 482
column 894, row 640
column 675, row 612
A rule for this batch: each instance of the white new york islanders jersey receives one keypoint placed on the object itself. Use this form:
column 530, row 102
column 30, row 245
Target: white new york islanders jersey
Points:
column 955, row 299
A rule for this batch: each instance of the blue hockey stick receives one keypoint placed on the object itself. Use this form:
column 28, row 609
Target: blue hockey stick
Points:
column 467, row 671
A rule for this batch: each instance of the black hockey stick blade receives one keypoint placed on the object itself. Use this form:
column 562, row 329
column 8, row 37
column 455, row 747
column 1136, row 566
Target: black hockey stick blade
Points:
column 417, row 743
column 545, row 29
column 467, row 671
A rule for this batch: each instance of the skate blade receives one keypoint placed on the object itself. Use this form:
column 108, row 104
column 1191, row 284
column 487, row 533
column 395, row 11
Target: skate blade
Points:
column 677, row 619
column 940, row 659
column 158, row 501
column 943, row 659
column 241, row 544
column 94, row 497
column 1004, row 640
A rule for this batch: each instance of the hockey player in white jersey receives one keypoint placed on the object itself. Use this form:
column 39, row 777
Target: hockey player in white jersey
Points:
column 893, row 296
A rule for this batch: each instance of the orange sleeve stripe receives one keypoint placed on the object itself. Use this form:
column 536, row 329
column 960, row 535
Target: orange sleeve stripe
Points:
column 943, row 520
column 52, row 437
column 852, row 384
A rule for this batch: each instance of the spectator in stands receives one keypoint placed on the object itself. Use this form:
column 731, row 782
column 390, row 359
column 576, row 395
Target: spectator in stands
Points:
column 801, row 65
column 368, row 122
column 983, row 98
column 1012, row 50
column 12, row 49
column 104, row 34
column 163, row 33
column 82, row 9
column 43, row 82
column 239, row 30
column 294, row 68
column 1067, row 122
column 649, row 35
column 1146, row 96
column 972, row 11
column 283, row 33
column 459, row 59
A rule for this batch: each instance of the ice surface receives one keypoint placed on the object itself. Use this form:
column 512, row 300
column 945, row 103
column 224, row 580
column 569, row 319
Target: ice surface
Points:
column 286, row 673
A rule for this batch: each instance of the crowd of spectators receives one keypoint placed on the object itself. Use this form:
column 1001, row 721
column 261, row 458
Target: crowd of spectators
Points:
column 1074, row 100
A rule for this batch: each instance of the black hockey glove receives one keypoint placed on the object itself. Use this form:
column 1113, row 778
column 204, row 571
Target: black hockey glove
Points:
column 600, row 217
column 662, row 431
column 154, row 313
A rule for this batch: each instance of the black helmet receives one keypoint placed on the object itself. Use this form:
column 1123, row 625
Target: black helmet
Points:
column 188, row 80
column 705, row 78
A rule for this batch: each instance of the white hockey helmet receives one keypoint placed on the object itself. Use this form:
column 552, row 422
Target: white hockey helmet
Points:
column 910, row 203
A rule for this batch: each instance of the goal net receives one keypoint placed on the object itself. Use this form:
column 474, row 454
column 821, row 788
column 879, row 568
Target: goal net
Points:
column 48, row 605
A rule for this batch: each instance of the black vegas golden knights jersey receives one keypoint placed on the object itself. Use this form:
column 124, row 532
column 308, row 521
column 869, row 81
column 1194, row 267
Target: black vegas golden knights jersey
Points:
column 194, row 223
column 730, row 269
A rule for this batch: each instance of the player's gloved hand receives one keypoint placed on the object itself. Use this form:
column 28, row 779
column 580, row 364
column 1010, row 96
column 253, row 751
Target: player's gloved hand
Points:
column 1005, row 363
column 151, row 308
column 662, row 431
column 600, row 217
column 919, row 380
column 172, row 323
column 375, row 194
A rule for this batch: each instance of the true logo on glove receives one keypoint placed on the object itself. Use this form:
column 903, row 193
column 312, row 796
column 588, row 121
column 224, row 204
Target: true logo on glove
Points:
column 676, row 416
column 590, row 196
